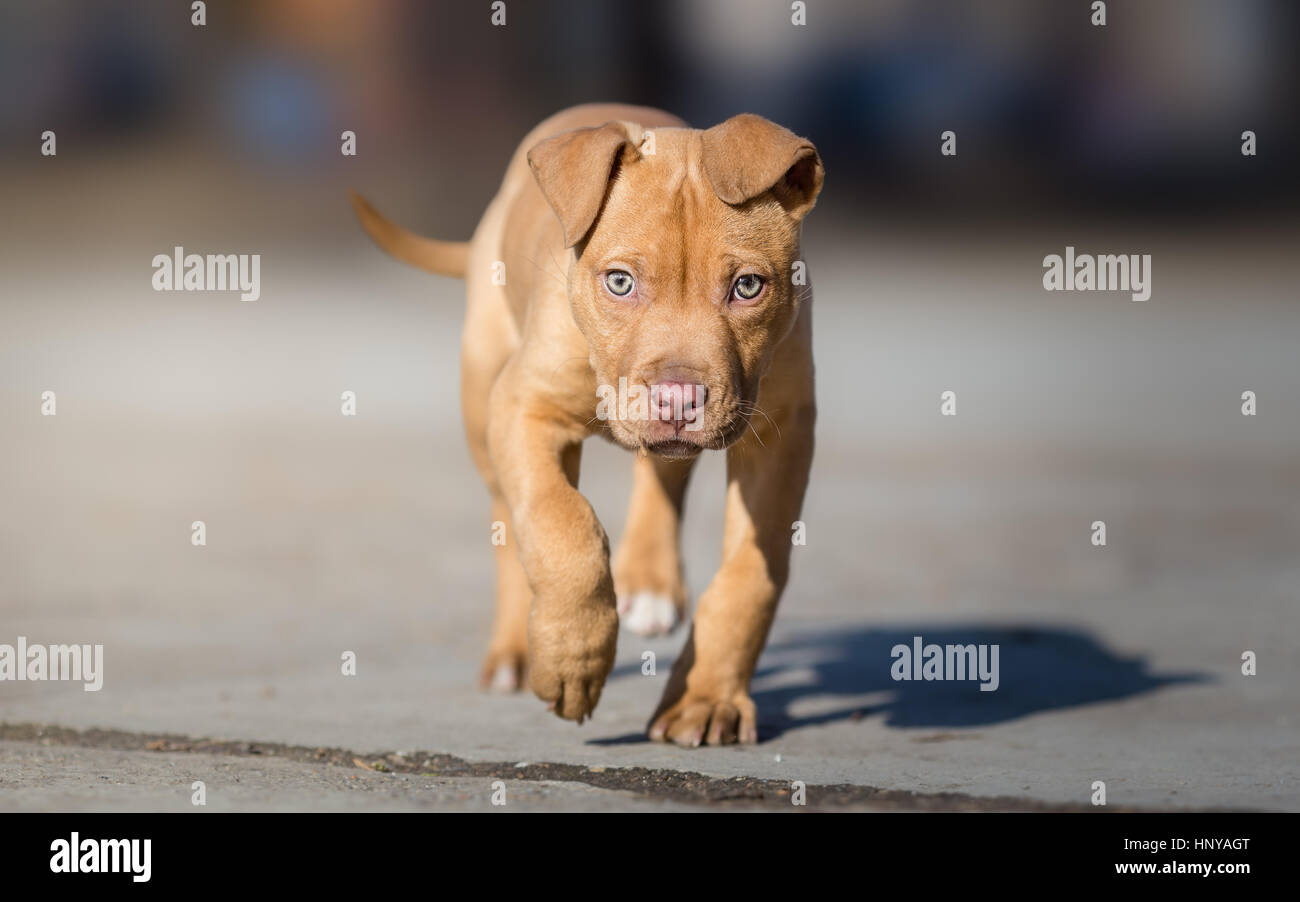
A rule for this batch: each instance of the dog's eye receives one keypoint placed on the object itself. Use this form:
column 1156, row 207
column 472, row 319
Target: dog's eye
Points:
column 619, row 283
column 748, row 287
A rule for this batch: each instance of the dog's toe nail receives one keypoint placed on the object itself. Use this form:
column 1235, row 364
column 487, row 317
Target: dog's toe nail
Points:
column 691, row 740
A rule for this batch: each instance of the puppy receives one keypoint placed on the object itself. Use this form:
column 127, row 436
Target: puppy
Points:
column 630, row 258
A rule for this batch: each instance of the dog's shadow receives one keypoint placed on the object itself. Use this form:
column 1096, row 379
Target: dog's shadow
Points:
column 822, row 677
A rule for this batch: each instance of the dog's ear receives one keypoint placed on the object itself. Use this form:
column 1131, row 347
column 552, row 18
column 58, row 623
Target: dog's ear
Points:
column 747, row 155
column 574, row 169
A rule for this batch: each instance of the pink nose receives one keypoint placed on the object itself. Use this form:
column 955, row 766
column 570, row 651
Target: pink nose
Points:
column 677, row 400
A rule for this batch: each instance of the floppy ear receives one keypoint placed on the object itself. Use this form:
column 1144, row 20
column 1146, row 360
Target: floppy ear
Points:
column 748, row 155
column 574, row 169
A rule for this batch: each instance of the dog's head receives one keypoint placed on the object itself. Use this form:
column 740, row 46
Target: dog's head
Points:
column 685, row 244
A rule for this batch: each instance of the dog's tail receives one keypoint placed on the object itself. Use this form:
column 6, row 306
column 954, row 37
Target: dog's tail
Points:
column 446, row 258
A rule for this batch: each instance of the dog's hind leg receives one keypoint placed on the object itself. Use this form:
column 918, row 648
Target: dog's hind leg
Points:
column 647, row 566
column 506, row 661
column 507, row 654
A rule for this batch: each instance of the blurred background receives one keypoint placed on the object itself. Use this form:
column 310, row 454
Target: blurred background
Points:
column 1054, row 118
column 328, row 532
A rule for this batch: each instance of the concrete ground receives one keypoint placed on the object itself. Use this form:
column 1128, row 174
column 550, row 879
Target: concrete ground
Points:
column 328, row 534
column 63, row 779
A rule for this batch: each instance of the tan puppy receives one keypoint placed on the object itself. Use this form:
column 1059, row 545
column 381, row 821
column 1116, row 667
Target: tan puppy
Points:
column 636, row 248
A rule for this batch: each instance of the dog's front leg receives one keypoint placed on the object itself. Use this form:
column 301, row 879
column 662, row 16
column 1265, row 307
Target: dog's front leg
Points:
column 707, row 697
column 573, row 624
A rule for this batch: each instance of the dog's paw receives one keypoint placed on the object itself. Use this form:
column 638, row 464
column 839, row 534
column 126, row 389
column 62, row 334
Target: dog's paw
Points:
column 709, row 719
column 570, row 658
column 648, row 613
column 504, row 670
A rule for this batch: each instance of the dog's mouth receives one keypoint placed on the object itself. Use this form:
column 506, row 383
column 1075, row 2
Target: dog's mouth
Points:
column 674, row 449
column 688, row 444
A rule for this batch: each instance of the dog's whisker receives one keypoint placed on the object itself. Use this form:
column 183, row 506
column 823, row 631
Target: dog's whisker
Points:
column 754, row 408
column 750, row 424
column 748, row 408
column 558, row 268
column 565, row 362
column 542, row 269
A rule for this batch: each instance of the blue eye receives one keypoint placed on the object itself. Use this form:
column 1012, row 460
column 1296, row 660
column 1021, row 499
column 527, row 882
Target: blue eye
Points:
column 619, row 283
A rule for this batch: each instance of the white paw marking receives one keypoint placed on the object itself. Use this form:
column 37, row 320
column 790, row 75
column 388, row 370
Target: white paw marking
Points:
column 647, row 613
column 504, row 679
